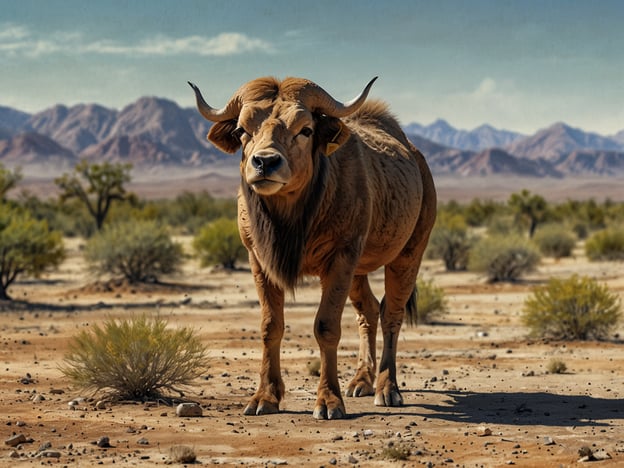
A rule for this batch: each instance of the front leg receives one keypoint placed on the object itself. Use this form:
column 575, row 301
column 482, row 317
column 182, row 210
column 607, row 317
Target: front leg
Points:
column 270, row 391
column 335, row 286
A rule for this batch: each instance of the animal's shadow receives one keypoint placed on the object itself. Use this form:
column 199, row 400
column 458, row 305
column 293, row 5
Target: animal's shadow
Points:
column 514, row 408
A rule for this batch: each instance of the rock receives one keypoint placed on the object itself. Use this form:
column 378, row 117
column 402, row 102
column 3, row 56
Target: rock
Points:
column 100, row 405
column 189, row 410
column 50, row 454
column 549, row 441
column 352, row 459
column 38, row 398
column 143, row 441
column 15, row 440
column 103, row 442
column 367, row 432
column 14, row 454
column 56, row 391
column 483, row 431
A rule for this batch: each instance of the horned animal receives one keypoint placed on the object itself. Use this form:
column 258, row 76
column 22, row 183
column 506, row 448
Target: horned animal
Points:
column 333, row 190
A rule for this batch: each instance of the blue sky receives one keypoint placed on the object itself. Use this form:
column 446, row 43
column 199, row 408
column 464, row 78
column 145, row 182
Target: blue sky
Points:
column 520, row 65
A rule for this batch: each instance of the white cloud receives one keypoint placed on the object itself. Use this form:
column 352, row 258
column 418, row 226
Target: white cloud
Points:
column 17, row 40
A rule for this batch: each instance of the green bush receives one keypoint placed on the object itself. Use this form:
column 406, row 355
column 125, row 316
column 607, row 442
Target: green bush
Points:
column 607, row 244
column 27, row 247
column 137, row 359
column 430, row 301
column 450, row 242
column 577, row 308
column 555, row 240
column 503, row 258
column 219, row 243
column 139, row 251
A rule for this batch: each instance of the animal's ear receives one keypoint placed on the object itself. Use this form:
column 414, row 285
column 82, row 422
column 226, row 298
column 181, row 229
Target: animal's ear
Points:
column 331, row 134
column 222, row 136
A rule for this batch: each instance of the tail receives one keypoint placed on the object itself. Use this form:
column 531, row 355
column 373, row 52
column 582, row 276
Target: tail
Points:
column 410, row 308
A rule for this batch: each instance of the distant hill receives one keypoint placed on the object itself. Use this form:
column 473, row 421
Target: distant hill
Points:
column 559, row 140
column 159, row 137
column 480, row 138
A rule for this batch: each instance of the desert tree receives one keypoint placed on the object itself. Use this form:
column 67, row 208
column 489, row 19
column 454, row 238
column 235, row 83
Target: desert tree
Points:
column 530, row 207
column 8, row 180
column 96, row 186
column 27, row 247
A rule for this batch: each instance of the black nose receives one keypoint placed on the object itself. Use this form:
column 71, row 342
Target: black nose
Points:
column 265, row 164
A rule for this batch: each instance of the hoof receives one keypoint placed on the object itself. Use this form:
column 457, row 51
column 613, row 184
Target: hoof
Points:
column 393, row 398
column 321, row 412
column 253, row 409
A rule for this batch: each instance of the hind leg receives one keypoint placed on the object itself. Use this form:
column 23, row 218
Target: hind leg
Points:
column 367, row 309
column 400, row 297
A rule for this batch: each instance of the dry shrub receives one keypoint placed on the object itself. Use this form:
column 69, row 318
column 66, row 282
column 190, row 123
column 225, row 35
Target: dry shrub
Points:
column 136, row 359
column 555, row 240
column 503, row 258
column 556, row 366
column 430, row 301
column 182, row 454
column 607, row 244
column 577, row 308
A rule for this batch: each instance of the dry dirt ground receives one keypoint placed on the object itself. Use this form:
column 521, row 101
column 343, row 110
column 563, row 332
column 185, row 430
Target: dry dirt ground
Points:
column 476, row 389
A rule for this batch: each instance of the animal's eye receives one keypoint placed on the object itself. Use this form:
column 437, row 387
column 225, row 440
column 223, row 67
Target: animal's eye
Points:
column 238, row 132
column 306, row 131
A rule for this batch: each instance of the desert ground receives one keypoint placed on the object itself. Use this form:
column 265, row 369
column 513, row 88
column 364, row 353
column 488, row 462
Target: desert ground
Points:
column 476, row 389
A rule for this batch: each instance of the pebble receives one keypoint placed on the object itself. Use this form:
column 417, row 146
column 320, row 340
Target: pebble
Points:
column 15, row 440
column 143, row 441
column 484, row 431
column 50, row 454
column 103, row 442
column 100, row 405
column 188, row 410
column 352, row 459
column 549, row 441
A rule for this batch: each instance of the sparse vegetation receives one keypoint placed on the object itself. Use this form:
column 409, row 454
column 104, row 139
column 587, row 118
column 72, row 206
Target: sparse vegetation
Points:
column 182, row 454
column 503, row 258
column 137, row 359
column 96, row 186
column 576, row 308
column 27, row 247
column 556, row 366
column 607, row 244
column 555, row 240
column 528, row 208
column 139, row 251
column 396, row 453
column 8, row 180
column 430, row 301
column 450, row 241
column 218, row 243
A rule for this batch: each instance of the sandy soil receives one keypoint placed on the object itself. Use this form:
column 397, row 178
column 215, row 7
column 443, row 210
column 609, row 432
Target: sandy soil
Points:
column 476, row 389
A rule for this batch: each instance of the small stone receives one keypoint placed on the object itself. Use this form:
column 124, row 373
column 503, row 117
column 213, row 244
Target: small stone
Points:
column 14, row 454
column 38, row 398
column 483, row 431
column 143, row 441
column 367, row 432
column 352, row 459
column 549, row 441
column 50, row 454
column 189, row 410
column 56, row 391
column 100, row 405
column 20, row 423
column 15, row 440
column 103, row 442
column 333, row 461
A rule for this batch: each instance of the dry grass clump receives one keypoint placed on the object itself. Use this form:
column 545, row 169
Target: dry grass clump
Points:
column 182, row 454
column 576, row 308
column 430, row 301
column 136, row 359
column 503, row 258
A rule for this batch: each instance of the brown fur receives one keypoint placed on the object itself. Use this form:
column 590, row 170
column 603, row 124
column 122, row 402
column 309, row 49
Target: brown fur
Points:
column 371, row 204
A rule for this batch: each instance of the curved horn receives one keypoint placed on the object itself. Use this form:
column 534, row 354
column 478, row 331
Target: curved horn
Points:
column 321, row 101
column 230, row 111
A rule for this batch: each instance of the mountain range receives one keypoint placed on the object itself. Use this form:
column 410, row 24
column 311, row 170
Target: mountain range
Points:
column 159, row 137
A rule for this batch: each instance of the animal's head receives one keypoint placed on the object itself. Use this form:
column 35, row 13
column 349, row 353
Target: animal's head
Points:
column 282, row 127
